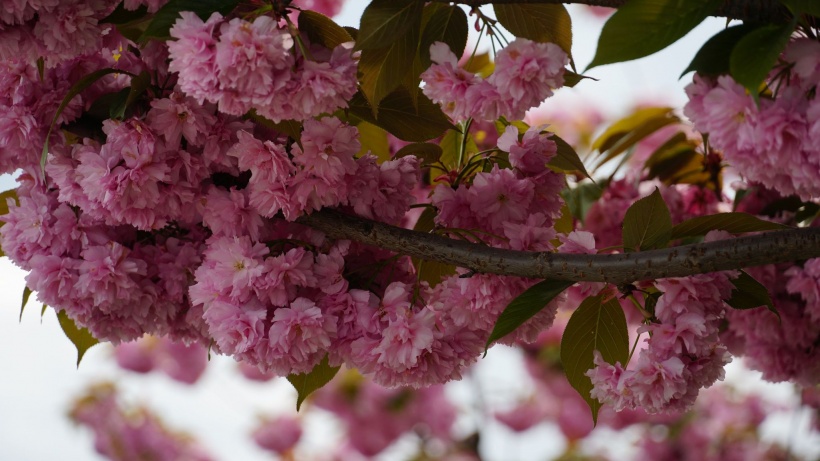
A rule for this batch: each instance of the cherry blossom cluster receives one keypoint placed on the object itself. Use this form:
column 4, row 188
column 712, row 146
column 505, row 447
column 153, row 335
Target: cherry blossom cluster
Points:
column 124, row 434
column 783, row 349
column 775, row 141
column 52, row 30
column 525, row 74
column 320, row 171
column 683, row 352
column 245, row 65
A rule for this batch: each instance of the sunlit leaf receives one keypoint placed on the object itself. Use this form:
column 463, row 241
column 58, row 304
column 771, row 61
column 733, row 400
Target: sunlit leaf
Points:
column 734, row 222
column 756, row 53
column 647, row 224
column 642, row 27
column 594, row 326
column 315, row 379
column 748, row 293
column 385, row 21
column 479, row 64
column 4, row 205
column 451, row 144
column 539, row 23
column 630, row 130
column 167, row 15
column 447, row 25
column 321, row 29
column 564, row 224
column 80, row 337
column 374, row 140
column 525, row 306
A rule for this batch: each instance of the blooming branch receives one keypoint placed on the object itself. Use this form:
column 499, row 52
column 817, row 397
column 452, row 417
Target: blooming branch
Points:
column 680, row 261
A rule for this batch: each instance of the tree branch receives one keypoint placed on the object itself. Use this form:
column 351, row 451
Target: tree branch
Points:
column 618, row 269
column 746, row 10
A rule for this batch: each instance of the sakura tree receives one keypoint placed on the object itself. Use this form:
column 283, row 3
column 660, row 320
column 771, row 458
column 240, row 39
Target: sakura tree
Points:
column 253, row 178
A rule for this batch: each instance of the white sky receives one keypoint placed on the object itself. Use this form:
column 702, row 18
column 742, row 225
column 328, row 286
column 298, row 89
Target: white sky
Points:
column 38, row 378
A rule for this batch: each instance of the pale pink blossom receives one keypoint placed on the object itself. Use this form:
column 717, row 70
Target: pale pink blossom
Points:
column 278, row 435
column 193, row 55
column 235, row 328
column 525, row 74
column 299, row 336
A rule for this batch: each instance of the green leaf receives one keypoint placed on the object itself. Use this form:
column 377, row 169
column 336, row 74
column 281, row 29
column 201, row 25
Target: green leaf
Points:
column 566, row 160
column 539, row 23
column 401, row 118
column 580, row 199
column 630, row 130
column 26, row 295
column 426, row 152
column 713, row 56
column 167, row 15
column 595, row 325
column 448, row 25
column 451, row 144
column 382, row 70
column 756, row 53
column 4, row 205
column 642, row 27
column 524, row 306
column 480, row 64
column 647, row 224
column 571, row 78
column 385, row 21
column 321, row 29
column 811, row 7
column 374, row 140
column 734, row 222
column 80, row 337
column 138, row 86
column 306, row 383
column 748, row 293
column 565, row 223
column 75, row 89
